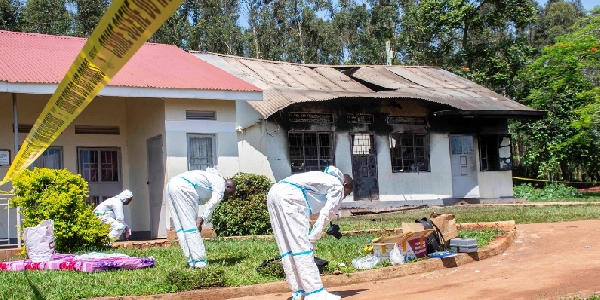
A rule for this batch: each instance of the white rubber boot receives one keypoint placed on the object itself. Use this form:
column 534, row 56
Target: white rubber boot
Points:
column 323, row 295
column 297, row 296
column 198, row 264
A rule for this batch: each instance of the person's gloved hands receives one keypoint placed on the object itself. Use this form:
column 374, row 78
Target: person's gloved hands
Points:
column 199, row 223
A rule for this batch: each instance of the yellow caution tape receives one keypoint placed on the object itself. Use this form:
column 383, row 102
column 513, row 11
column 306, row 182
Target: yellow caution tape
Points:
column 545, row 180
column 530, row 179
column 123, row 29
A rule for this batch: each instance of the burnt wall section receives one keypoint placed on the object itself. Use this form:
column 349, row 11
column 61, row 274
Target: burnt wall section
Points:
column 380, row 116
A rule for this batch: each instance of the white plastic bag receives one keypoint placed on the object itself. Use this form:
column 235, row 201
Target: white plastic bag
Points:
column 367, row 262
column 396, row 257
column 39, row 241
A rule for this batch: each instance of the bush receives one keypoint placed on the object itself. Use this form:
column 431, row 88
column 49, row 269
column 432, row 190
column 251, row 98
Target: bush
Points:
column 46, row 194
column 245, row 213
column 550, row 191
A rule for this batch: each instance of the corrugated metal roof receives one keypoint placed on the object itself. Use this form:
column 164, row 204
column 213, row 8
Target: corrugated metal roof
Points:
column 284, row 84
column 41, row 58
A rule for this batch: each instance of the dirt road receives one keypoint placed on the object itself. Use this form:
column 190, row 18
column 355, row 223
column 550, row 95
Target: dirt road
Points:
column 547, row 261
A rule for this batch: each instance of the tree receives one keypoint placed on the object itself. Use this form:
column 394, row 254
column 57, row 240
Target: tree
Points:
column 175, row 30
column 565, row 81
column 555, row 20
column 484, row 40
column 87, row 16
column 214, row 26
column 9, row 14
column 364, row 29
column 47, row 16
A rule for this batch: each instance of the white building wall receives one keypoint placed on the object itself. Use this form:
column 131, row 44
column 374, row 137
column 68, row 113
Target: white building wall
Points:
column 177, row 128
column 145, row 119
column 495, row 184
column 436, row 184
column 104, row 111
column 263, row 150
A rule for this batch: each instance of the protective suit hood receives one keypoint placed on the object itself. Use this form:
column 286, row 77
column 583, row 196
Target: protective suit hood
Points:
column 335, row 172
column 124, row 195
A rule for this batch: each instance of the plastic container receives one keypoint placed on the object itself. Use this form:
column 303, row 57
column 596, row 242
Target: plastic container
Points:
column 463, row 245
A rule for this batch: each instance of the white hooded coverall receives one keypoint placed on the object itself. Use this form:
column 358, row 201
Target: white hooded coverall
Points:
column 185, row 192
column 111, row 212
column 290, row 203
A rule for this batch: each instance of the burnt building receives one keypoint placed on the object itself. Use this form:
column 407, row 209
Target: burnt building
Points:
column 406, row 134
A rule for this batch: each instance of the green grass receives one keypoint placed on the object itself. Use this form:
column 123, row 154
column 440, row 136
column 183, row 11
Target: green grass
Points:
column 483, row 236
column 471, row 214
column 585, row 197
column 237, row 260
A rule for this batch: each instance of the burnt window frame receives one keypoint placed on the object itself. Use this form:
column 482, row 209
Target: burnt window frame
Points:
column 488, row 142
column 321, row 163
column 397, row 163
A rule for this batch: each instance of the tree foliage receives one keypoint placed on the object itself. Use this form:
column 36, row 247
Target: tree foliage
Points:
column 10, row 11
column 46, row 16
column 565, row 81
column 87, row 16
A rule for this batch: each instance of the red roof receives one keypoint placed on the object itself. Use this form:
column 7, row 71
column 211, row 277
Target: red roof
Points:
column 41, row 58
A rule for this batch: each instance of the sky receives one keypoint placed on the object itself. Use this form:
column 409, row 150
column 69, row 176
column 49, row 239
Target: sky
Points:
column 587, row 4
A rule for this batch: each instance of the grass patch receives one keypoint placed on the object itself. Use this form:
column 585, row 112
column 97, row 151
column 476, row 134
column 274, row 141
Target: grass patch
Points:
column 483, row 236
column 233, row 263
column 471, row 214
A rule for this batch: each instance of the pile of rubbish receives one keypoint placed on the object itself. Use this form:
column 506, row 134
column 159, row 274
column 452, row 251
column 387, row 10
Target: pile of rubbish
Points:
column 434, row 237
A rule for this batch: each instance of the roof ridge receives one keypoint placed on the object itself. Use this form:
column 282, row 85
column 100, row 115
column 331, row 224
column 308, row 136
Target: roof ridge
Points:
column 41, row 35
column 65, row 37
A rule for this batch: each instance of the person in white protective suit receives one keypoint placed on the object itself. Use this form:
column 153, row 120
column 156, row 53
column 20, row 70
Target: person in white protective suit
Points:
column 185, row 192
column 290, row 203
column 111, row 212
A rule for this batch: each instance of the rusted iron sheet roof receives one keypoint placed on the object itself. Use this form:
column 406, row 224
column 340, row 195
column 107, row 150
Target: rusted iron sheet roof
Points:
column 284, row 84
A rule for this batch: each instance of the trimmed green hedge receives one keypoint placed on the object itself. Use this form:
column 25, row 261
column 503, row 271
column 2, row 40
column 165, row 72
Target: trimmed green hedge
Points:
column 245, row 213
column 47, row 194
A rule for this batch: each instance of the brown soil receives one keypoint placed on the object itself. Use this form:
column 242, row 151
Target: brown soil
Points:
column 594, row 189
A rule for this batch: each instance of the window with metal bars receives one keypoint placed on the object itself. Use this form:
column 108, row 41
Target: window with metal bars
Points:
column 201, row 151
column 310, row 151
column 495, row 152
column 409, row 152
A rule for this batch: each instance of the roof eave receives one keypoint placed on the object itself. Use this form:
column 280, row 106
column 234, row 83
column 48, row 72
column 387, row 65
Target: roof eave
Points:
column 509, row 114
column 138, row 92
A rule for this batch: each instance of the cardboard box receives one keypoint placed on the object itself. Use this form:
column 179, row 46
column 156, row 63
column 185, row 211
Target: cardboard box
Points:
column 412, row 245
column 383, row 246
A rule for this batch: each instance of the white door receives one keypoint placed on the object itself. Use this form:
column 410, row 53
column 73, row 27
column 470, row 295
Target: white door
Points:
column 464, row 167
column 156, row 182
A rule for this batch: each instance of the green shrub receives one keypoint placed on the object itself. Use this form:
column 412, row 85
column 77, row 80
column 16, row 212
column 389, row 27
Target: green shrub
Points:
column 245, row 213
column 58, row 195
column 550, row 191
column 189, row 279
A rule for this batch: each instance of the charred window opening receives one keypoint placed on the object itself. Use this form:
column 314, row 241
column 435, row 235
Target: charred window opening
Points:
column 495, row 152
column 409, row 152
column 310, row 151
